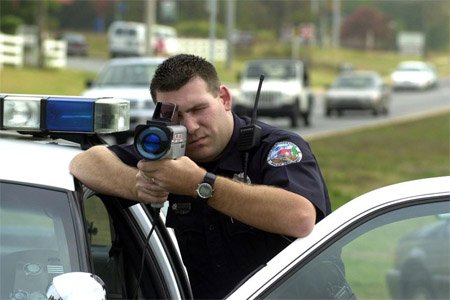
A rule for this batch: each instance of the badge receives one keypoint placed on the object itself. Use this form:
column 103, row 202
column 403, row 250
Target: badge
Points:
column 284, row 153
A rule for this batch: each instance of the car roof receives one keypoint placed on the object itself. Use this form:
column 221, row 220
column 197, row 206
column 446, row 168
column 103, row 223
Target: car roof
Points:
column 358, row 208
column 360, row 73
column 39, row 161
column 135, row 60
column 274, row 60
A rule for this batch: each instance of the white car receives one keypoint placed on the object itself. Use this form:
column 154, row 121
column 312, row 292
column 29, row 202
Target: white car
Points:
column 285, row 91
column 414, row 75
column 358, row 90
column 52, row 225
column 127, row 78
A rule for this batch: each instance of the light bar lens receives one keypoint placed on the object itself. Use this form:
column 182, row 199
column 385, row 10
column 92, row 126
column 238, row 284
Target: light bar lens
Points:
column 69, row 114
column 64, row 114
column 112, row 115
column 20, row 112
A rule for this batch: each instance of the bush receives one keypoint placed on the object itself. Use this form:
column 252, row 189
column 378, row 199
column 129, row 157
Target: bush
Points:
column 9, row 24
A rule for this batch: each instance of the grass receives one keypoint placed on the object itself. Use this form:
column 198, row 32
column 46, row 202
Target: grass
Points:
column 48, row 82
column 357, row 162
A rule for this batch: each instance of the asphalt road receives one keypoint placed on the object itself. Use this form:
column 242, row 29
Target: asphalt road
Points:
column 404, row 104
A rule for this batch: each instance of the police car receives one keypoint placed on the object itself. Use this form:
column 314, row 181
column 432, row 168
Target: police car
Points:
column 52, row 225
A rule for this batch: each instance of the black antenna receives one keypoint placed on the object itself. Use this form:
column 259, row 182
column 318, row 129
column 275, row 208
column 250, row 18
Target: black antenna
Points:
column 258, row 91
column 250, row 135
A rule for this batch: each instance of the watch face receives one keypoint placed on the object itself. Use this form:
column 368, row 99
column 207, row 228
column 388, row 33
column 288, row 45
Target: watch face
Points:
column 204, row 190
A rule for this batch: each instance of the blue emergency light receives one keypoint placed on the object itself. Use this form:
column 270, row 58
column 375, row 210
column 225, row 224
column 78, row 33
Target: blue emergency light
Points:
column 63, row 114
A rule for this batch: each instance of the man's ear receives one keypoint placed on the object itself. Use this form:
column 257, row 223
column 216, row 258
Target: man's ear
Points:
column 225, row 97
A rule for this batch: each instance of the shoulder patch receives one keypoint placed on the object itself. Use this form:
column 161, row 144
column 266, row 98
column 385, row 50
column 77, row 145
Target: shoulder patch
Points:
column 284, row 153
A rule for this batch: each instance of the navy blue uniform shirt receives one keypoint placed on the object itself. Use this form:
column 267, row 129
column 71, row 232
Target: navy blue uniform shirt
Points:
column 218, row 251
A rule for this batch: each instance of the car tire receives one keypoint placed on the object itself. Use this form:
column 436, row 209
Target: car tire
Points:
column 418, row 284
column 295, row 114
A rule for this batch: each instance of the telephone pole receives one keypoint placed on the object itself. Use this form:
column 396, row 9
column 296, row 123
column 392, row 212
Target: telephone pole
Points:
column 150, row 19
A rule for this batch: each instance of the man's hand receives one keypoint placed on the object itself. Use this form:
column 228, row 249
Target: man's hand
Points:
column 156, row 179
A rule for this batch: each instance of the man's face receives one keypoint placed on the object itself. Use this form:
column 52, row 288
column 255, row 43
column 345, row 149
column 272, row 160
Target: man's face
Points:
column 207, row 117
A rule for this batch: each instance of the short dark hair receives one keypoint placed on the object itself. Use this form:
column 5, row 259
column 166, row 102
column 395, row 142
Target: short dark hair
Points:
column 178, row 70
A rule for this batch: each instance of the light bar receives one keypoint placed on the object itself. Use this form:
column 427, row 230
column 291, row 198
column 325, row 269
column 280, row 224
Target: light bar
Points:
column 64, row 114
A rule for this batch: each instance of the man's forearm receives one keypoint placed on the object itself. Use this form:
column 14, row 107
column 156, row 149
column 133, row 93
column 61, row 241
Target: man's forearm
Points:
column 264, row 207
column 102, row 171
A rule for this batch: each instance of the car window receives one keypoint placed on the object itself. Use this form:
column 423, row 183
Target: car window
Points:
column 274, row 70
column 357, row 82
column 105, row 254
column 399, row 254
column 37, row 239
column 130, row 75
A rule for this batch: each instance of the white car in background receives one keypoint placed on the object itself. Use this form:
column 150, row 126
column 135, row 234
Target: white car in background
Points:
column 127, row 78
column 414, row 75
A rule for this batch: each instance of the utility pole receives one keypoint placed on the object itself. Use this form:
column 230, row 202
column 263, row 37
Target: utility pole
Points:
column 231, row 9
column 212, row 28
column 336, row 23
column 150, row 19
column 41, row 24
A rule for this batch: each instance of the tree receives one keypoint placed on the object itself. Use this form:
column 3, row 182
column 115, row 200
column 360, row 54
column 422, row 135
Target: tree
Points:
column 367, row 28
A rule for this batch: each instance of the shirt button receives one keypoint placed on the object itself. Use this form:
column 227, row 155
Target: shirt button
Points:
column 211, row 227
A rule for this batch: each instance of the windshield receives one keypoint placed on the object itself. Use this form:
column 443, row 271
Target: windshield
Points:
column 138, row 75
column 272, row 70
column 37, row 239
column 356, row 82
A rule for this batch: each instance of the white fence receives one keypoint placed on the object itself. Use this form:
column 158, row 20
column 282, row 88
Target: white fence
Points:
column 201, row 47
column 11, row 50
column 14, row 51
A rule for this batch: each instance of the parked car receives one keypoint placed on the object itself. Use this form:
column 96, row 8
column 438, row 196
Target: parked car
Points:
column 130, row 39
column 285, row 91
column 414, row 75
column 76, row 44
column 358, row 90
column 53, row 225
column 419, row 271
column 127, row 78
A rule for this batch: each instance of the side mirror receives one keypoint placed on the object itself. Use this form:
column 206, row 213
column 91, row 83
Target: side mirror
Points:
column 76, row 285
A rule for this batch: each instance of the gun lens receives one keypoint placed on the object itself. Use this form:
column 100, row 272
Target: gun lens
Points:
column 152, row 142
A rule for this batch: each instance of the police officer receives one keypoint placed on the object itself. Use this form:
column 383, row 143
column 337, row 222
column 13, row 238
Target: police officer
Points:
column 230, row 215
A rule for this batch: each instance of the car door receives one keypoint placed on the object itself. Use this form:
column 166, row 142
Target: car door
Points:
column 385, row 255
column 119, row 231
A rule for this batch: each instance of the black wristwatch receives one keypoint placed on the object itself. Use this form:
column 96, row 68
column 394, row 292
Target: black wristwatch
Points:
column 206, row 188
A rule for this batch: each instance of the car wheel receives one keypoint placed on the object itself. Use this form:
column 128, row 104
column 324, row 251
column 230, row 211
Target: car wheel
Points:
column 416, row 283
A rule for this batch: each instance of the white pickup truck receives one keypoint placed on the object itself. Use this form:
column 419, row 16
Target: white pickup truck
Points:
column 285, row 91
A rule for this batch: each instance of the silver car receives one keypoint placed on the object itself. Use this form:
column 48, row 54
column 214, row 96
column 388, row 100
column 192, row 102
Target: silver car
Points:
column 127, row 78
column 358, row 90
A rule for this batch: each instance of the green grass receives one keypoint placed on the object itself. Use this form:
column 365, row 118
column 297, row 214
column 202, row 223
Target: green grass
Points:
column 48, row 82
column 360, row 161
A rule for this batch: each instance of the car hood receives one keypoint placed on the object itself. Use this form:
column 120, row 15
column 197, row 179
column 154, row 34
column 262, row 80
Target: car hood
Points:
column 351, row 93
column 410, row 75
column 128, row 93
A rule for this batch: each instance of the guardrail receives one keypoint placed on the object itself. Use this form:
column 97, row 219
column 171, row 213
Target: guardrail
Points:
column 15, row 51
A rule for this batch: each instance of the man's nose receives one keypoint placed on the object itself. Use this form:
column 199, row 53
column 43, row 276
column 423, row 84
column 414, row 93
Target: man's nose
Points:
column 190, row 123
